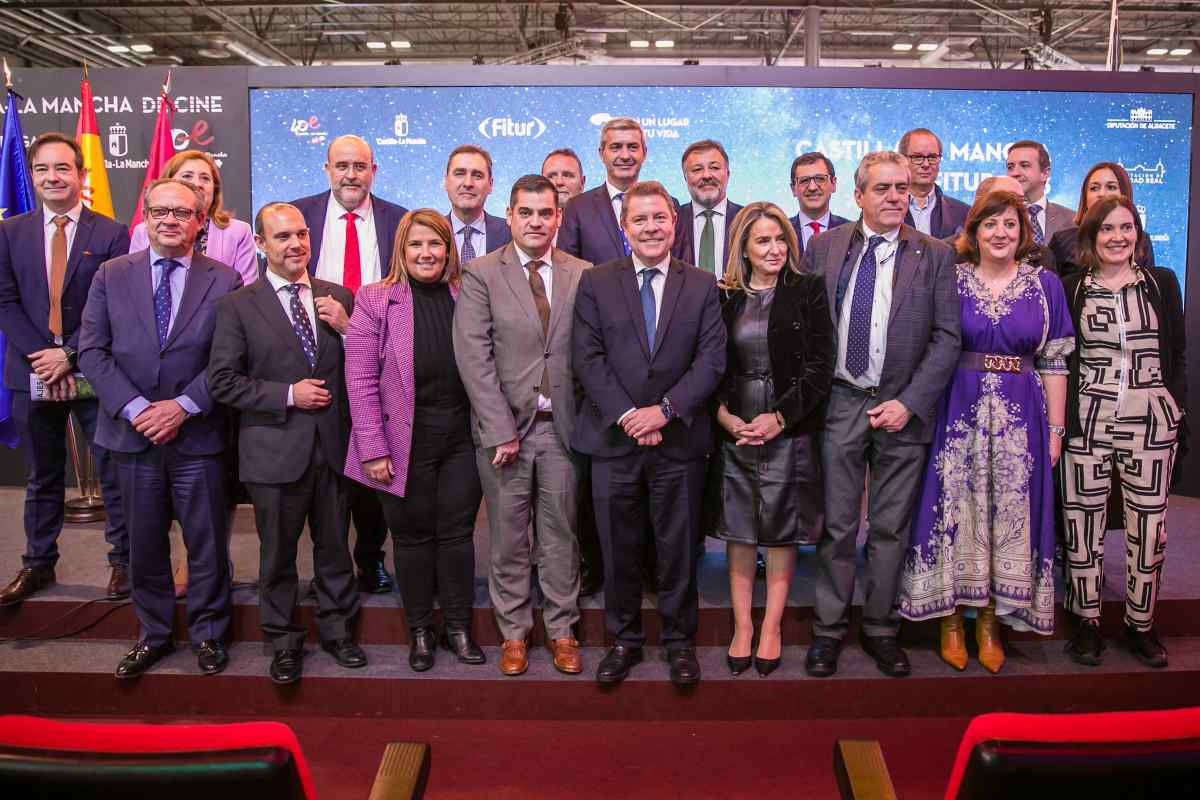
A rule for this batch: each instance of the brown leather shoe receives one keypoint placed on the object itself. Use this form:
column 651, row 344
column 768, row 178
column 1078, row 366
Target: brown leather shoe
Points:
column 566, row 656
column 118, row 583
column 28, row 581
column 514, row 657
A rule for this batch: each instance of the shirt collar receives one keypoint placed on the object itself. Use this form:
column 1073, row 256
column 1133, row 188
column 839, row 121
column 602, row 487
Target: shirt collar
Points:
column 73, row 214
column 930, row 201
column 719, row 210
column 184, row 260
column 362, row 212
column 661, row 266
column 613, row 191
column 1139, row 276
column 890, row 238
column 278, row 282
column 476, row 224
column 806, row 220
column 525, row 258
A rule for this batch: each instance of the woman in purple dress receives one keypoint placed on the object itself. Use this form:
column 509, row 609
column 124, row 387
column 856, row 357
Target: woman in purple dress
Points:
column 983, row 528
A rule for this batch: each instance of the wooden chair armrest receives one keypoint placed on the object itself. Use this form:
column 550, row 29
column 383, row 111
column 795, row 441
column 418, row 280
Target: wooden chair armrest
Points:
column 861, row 771
column 403, row 771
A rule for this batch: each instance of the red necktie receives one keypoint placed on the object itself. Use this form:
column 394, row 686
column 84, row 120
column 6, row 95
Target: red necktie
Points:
column 816, row 226
column 352, row 265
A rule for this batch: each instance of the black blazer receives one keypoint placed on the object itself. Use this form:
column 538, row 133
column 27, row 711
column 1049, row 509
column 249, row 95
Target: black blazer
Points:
column 684, row 247
column 1065, row 246
column 256, row 356
column 386, row 215
column 1167, row 301
column 800, row 341
column 948, row 217
column 618, row 371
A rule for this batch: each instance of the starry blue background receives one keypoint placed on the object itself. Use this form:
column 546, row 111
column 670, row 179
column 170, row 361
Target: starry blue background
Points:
column 762, row 128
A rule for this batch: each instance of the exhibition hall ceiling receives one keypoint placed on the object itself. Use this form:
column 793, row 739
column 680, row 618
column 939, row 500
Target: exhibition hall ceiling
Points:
column 1011, row 34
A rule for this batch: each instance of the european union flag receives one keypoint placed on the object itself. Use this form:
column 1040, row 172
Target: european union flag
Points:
column 16, row 197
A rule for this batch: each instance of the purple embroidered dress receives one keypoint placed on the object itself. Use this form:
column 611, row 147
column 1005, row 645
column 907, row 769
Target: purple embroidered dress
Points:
column 983, row 527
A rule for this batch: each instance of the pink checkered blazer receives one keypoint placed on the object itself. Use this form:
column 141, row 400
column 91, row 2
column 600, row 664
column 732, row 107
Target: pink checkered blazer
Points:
column 379, row 381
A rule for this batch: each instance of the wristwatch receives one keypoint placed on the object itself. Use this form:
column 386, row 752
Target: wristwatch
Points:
column 1059, row 429
column 72, row 354
column 667, row 411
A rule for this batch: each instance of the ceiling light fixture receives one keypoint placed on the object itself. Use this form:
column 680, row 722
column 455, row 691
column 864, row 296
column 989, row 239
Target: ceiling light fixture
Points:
column 117, row 48
column 927, row 47
column 1182, row 50
column 638, row 43
column 671, row 43
column 1158, row 49
column 142, row 48
column 373, row 45
column 401, row 44
column 902, row 47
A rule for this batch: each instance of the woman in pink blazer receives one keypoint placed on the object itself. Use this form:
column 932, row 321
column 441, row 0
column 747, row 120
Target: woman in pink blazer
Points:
column 228, row 240
column 411, row 433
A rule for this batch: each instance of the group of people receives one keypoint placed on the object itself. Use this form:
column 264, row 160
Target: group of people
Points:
column 619, row 376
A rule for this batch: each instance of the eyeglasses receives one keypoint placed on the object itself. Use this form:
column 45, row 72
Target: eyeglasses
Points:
column 926, row 158
column 804, row 180
column 181, row 214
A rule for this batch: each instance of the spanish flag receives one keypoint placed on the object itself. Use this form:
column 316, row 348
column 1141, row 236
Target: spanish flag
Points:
column 96, row 194
column 162, row 146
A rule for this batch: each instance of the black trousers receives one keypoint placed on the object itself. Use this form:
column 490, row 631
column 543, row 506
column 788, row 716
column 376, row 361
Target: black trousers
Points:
column 633, row 492
column 370, row 528
column 433, row 525
column 319, row 497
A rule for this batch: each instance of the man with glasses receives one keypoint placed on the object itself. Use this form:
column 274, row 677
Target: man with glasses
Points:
column 147, row 331
column 813, row 184
column 929, row 210
column 350, row 234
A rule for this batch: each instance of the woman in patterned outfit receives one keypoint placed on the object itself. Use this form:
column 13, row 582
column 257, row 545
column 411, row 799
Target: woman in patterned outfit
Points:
column 983, row 528
column 1127, row 384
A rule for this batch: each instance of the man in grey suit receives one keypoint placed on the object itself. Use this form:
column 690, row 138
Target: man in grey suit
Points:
column 894, row 302
column 512, row 342
column 1029, row 162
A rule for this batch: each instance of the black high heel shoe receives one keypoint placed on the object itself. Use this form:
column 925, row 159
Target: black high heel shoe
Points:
column 738, row 664
column 766, row 666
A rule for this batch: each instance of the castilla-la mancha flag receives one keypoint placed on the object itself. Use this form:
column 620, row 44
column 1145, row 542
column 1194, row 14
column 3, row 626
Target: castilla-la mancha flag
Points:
column 162, row 147
column 96, row 194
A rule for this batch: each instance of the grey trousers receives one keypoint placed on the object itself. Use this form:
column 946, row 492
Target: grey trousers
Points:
column 851, row 451
column 541, row 487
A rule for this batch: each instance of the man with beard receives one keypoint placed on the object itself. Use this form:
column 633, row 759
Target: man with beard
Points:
column 703, row 226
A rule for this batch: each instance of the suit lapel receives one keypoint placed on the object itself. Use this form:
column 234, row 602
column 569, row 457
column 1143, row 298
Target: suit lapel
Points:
column 908, row 258
column 559, row 291
column 398, row 321
column 672, row 287
column 514, row 276
column 314, row 217
column 37, row 259
column 854, row 245
column 83, row 235
column 195, row 288
column 627, row 279
column 614, row 226
column 381, row 230
column 266, row 302
column 141, row 289
column 935, row 216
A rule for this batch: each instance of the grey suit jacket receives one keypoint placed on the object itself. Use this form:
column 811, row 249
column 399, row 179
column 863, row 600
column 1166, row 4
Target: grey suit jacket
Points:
column 500, row 348
column 923, row 337
column 1057, row 218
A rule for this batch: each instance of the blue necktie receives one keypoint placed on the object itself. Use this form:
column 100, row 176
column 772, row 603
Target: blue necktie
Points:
column 648, row 304
column 468, row 251
column 162, row 299
column 858, row 338
column 620, row 230
column 1038, row 234
column 301, row 325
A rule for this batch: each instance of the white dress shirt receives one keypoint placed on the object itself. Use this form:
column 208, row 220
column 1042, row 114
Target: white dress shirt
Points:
column 923, row 217
column 658, row 280
column 332, row 262
column 881, row 310
column 806, row 231
column 278, row 284
column 719, row 219
column 546, row 270
column 478, row 238
column 68, row 229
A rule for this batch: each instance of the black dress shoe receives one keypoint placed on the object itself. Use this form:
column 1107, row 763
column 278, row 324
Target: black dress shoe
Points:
column 287, row 666
column 685, row 669
column 766, row 666
column 142, row 657
column 590, row 582
column 118, row 583
column 889, row 657
column 1086, row 645
column 822, row 658
column 1146, row 647
column 617, row 662
column 28, row 581
column 211, row 656
column 422, row 647
column 457, row 639
column 738, row 664
column 345, row 652
column 375, row 579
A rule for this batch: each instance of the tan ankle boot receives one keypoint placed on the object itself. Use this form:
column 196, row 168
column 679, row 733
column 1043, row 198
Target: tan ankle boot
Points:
column 954, row 641
column 987, row 636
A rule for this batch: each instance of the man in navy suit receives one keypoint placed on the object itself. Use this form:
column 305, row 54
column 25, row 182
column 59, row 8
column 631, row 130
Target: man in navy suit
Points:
column 468, row 183
column 47, row 260
column 929, row 210
column 589, row 228
column 353, row 261
column 649, row 348
column 147, row 331
column 813, row 184
column 703, row 226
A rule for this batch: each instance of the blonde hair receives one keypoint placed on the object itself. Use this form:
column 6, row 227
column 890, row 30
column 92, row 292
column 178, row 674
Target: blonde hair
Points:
column 737, row 266
column 216, row 210
column 432, row 219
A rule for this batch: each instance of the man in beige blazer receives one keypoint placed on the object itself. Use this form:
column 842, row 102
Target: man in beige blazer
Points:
column 512, row 342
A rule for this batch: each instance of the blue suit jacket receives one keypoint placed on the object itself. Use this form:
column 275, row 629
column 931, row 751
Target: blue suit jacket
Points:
column 949, row 216
column 684, row 247
column 387, row 219
column 119, row 352
column 589, row 228
column 618, row 371
column 495, row 229
column 797, row 226
column 25, row 289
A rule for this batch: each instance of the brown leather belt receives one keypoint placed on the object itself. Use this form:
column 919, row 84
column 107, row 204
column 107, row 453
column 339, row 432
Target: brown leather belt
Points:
column 991, row 362
column 544, row 416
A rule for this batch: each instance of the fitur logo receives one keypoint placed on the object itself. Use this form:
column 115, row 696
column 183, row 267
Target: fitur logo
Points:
column 496, row 127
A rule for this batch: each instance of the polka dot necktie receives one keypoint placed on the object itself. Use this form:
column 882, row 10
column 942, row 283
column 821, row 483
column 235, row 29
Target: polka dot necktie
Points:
column 1038, row 234
column 301, row 325
column 858, row 338
column 162, row 299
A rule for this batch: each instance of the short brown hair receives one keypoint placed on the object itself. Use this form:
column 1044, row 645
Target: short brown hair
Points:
column 1043, row 153
column 1122, row 181
column 1089, row 228
column 647, row 189
column 53, row 137
column 737, row 267
column 967, row 244
column 215, row 211
column 906, row 140
column 805, row 159
column 473, row 149
column 565, row 152
column 533, row 184
column 700, row 147
column 432, row 219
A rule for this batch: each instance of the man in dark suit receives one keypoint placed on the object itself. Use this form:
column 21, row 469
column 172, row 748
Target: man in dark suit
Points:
column 147, row 331
column 704, row 225
column 353, row 261
column 47, row 260
column 893, row 298
column 277, row 357
column 813, row 184
column 468, row 183
column 1029, row 163
column 929, row 210
column 649, row 348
